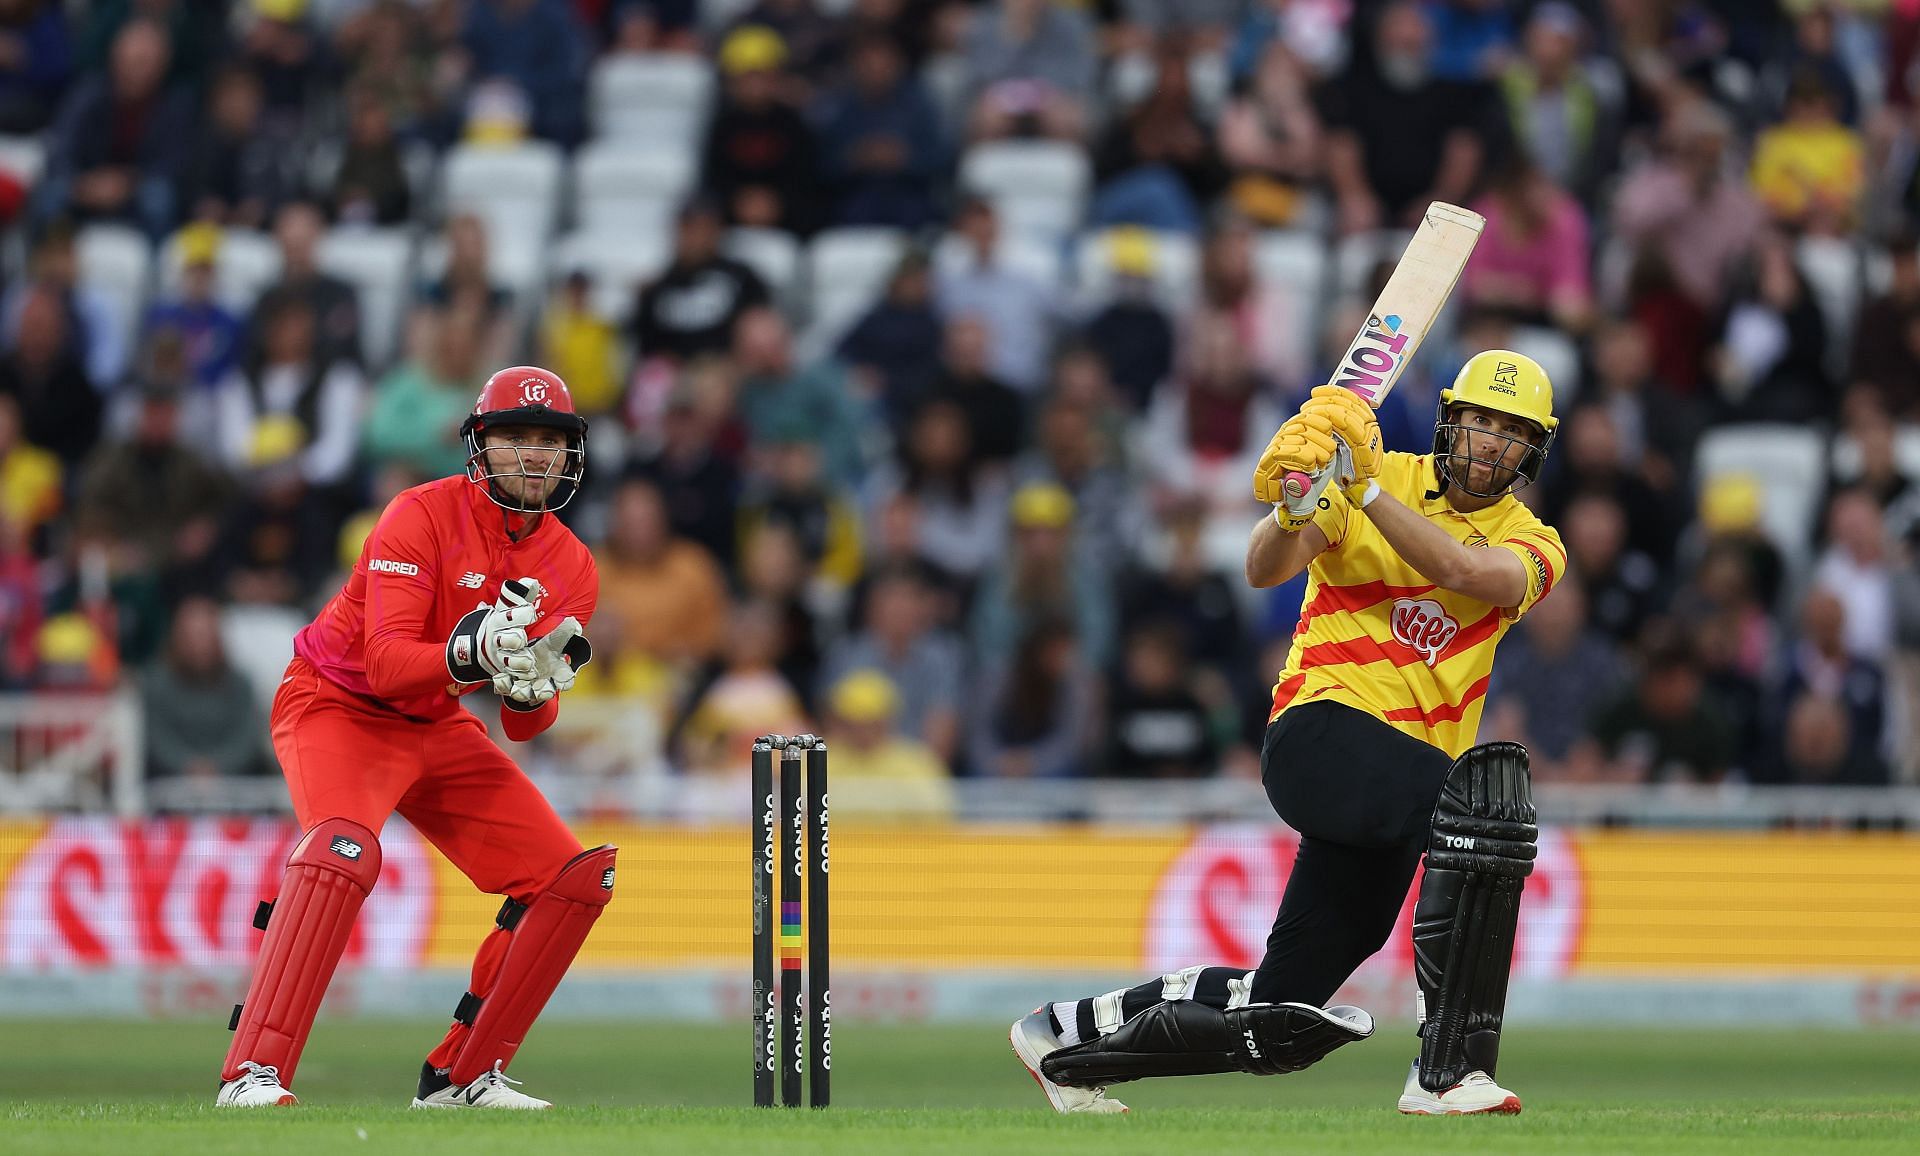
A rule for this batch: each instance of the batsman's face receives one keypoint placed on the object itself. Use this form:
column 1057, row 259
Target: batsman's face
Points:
column 526, row 462
column 1495, row 442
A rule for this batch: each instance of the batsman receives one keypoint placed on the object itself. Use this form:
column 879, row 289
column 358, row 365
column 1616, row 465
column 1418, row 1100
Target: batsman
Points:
column 1417, row 566
column 466, row 582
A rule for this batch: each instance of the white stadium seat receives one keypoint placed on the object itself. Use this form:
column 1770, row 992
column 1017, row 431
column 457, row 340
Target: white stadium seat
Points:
column 1038, row 188
column 617, row 263
column 655, row 98
column 1295, row 261
column 1558, row 355
column 772, row 253
column 847, row 271
column 378, row 264
column 117, row 262
column 1356, row 257
column 248, row 264
column 619, row 185
column 1176, row 269
column 516, row 191
column 1789, row 463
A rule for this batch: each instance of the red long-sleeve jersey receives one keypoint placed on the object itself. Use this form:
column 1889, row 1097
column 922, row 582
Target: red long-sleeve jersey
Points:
column 438, row 551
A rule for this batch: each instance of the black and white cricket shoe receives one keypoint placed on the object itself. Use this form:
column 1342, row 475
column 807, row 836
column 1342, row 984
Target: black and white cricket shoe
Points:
column 1033, row 1038
column 492, row 1090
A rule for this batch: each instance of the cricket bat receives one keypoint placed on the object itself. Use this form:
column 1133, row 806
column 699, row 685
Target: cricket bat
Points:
column 1398, row 321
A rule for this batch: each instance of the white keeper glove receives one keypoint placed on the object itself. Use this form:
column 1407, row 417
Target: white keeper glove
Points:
column 491, row 640
column 555, row 658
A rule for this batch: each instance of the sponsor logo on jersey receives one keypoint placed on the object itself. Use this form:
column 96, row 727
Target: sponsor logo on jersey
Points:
column 472, row 580
column 1423, row 625
column 383, row 566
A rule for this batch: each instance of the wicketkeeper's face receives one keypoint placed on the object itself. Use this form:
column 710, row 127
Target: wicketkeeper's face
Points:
column 526, row 462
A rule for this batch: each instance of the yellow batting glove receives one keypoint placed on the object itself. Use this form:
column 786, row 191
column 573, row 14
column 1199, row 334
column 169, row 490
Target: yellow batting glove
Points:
column 1305, row 444
column 1353, row 422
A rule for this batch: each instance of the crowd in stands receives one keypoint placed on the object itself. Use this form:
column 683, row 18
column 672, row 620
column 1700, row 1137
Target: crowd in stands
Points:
column 927, row 346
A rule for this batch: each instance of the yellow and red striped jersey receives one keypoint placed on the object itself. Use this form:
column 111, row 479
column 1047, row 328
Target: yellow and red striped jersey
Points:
column 1378, row 637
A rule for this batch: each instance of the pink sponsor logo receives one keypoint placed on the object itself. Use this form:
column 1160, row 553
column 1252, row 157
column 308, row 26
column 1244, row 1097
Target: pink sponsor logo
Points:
column 1216, row 902
column 1424, row 626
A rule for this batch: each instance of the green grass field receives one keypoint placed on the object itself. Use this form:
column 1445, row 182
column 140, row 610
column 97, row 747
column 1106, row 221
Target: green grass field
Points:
column 75, row 1088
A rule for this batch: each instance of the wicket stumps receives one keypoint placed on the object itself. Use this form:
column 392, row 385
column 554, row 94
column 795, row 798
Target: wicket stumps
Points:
column 778, row 1017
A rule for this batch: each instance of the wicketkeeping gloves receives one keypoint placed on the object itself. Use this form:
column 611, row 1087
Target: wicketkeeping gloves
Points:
column 491, row 640
column 555, row 658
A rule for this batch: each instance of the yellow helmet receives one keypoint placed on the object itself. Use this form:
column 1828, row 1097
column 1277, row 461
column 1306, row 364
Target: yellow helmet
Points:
column 1506, row 382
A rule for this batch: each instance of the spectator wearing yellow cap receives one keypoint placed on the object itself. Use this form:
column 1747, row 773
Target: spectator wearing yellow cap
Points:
column 1041, row 579
column 878, row 772
column 760, row 151
column 210, row 334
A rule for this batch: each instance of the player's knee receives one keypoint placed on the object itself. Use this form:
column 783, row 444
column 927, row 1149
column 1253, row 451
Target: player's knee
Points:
column 587, row 877
column 341, row 846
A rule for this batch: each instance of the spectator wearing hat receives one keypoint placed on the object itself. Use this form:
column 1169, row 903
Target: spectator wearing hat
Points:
column 277, row 542
column 882, row 145
column 879, row 772
column 1554, row 110
column 211, row 337
column 31, row 481
column 759, row 161
column 1131, row 333
column 1042, row 579
column 693, row 306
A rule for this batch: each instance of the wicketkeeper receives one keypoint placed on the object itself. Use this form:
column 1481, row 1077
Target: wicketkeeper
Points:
column 1417, row 566
column 468, row 581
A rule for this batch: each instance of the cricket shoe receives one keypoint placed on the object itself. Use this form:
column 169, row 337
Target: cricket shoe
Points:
column 257, row 1086
column 1032, row 1038
column 492, row 1090
column 1475, row 1095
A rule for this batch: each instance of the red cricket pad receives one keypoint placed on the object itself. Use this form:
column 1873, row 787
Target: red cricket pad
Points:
column 328, row 877
column 539, row 950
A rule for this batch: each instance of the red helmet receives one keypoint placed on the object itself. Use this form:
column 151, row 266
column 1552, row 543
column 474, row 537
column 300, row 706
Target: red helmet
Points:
column 526, row 395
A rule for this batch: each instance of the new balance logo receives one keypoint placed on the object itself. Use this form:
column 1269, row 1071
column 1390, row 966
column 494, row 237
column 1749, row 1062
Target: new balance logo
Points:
column 382, row 566
column 344, row 847
column 472, row 580
column 606, row 880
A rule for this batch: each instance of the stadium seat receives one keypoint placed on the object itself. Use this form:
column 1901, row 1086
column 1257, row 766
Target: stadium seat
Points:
column 1038, row 188
column 1835, row 274
column 378, row 263
column 650, row 98
column 259, row 640
column 618, row 264
column 772, row 253
column 1557, row 354
column 1906, row 453
column 117, row 262
column 617, row 184
column 847, row 270
column 515, row 189
column 248, row 263
column 1176, row 273
column 1789, row 463
column 23, row 156
column 1036, row 259
column 1295, row 262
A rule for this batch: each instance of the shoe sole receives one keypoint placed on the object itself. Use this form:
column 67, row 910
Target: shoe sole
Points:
column 1507, row 1107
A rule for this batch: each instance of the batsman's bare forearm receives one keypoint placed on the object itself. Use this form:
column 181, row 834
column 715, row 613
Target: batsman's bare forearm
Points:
column 1274, row 556
column 1495, row 577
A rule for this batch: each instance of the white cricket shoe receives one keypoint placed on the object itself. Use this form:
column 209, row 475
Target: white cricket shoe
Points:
column 258, row 1086
column 1032, row 1038
column 491, row 1090
column 1477, row 1094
